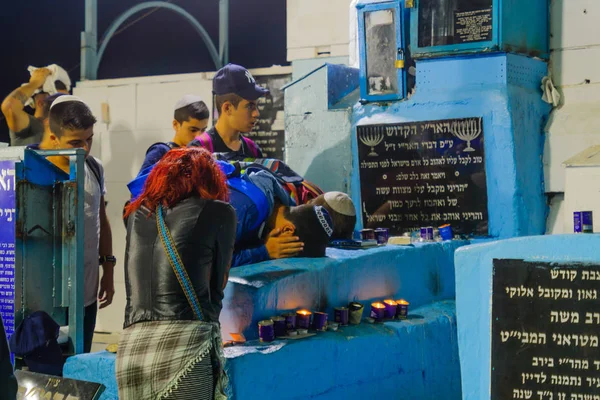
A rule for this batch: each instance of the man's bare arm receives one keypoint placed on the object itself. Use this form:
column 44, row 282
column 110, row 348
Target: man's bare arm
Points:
column 14, row 104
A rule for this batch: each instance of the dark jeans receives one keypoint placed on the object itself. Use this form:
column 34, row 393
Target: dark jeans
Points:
column 89, row 324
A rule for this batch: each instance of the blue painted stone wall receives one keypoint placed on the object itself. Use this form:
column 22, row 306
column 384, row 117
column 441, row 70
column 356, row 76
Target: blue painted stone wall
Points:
column 415, row 359
column 474, row 290
column 504, row 90
column 412, row 360
column 421, row 274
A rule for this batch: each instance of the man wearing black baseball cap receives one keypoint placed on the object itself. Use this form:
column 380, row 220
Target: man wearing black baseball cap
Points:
column 236, row 94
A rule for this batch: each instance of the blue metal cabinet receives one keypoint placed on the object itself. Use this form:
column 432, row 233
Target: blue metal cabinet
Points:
column 448, row 27
column 382, row 50
column 48, row 237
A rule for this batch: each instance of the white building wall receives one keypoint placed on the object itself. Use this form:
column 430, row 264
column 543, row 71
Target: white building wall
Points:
column 575, row 124
column 140, row 114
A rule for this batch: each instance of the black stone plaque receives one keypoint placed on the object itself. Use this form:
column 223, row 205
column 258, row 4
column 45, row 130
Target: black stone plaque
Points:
column 269, row 133
column 473, row 26
column 545, row 331
column 423, row 174
column 39, row 386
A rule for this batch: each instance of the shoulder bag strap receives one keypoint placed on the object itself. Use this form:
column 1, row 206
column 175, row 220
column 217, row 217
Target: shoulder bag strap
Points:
column 177, row 264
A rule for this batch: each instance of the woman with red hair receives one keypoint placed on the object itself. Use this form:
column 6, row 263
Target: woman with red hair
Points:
column 180, row 237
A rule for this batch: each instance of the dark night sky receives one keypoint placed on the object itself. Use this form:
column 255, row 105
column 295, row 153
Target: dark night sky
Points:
column 41, row 32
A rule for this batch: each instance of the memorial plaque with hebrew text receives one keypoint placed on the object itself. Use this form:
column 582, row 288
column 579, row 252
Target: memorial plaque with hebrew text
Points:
column 33, row 385
column 545, row 331
column 473, row 26
column 426, row 173
column 7, row 245
column 269, row 131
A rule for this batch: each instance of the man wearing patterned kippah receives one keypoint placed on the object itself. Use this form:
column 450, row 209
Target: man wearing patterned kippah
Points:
column 269, row 225
column 342, row 212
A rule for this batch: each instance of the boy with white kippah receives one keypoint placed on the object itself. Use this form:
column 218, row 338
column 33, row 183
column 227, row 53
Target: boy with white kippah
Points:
column 190, row 119
column 70, row 125
column 342, row 212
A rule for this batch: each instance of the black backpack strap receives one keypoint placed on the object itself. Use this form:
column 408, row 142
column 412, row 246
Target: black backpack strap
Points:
column 96, row 169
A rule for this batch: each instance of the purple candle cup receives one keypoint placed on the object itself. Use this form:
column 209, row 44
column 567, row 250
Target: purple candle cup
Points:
column 266, row 331
column 290, row 321
column 319, row 321
column 341, row 316
column 279, row 326
column 303, row 319
column 391, row 308
column 378, row 311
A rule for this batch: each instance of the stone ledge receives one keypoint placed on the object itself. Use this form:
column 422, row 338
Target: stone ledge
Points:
column 421, row 274
column 415, row 359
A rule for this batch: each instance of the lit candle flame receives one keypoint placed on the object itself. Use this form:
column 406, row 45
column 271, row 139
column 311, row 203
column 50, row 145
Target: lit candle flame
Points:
column 390, row 302
column 304, row 312
column 403, row 302
column 378, row 305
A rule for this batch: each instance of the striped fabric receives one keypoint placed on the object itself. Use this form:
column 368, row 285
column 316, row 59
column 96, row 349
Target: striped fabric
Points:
column 197, row 384
column 169, row 359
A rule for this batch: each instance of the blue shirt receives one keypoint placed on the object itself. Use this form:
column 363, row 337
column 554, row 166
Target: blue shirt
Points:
column 252, row 195
column 155, row 153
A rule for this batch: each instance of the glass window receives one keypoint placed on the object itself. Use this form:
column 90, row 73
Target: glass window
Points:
column 443, row 22
column 382, row 50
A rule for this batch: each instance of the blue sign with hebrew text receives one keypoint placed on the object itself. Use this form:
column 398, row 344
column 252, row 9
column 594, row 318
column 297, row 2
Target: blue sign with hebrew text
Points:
column 7, row 245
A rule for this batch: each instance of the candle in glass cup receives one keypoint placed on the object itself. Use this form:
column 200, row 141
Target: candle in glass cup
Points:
column 341, row 315
column 319, row 321
column 279, row 326
column 303, row 319
column 391, row 308
column 378, row 311
column 402, row 312
column 290, row 321
column 266, row 331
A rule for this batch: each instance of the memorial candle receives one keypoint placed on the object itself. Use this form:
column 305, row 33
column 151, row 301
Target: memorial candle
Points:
column 303, row 319
column 355, row 312
column 377, row 311
column 290, row 321
column 266, row 331
column 319, row 321
column 391, row 308
column 279, row 326
column 341, row 315
column 402, row 309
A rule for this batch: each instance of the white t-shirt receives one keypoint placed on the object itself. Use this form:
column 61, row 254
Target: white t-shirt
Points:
column 91, row 234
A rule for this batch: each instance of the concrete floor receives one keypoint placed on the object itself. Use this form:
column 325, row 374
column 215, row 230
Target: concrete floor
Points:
column 103, row 339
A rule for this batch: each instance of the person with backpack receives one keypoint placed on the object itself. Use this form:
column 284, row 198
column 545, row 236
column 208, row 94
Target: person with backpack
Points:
column 270, row 224
column 235, row 95
column 70, row 125
column 190, row 119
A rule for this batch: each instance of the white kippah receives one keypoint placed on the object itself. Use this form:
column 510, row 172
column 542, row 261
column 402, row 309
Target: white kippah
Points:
column 66, row 98
column 187, row 100
column 340, row 203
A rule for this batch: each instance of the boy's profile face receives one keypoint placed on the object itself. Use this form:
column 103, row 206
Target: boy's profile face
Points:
column 243, row 117
column 188, row 130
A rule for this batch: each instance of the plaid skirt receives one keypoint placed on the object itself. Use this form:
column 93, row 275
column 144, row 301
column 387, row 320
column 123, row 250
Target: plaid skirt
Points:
column 171, row 359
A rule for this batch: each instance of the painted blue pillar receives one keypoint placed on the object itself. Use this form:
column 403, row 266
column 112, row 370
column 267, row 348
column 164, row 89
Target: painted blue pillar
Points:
column 503, row 89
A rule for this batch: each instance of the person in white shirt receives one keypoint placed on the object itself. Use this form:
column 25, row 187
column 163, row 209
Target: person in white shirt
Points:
column 71, row 125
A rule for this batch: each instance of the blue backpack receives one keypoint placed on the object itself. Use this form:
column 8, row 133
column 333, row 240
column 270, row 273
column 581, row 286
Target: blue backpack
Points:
column 235, row 182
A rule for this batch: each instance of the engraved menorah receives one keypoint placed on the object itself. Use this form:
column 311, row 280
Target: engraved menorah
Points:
column 371, row 137
column 467, row 130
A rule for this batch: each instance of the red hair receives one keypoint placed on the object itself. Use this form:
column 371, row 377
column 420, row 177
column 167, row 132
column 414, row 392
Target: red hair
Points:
column 180, row 174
